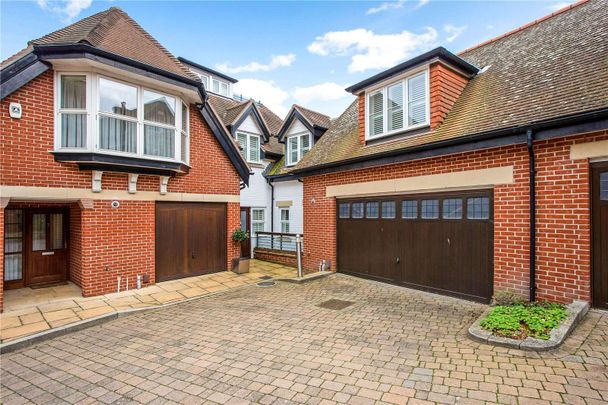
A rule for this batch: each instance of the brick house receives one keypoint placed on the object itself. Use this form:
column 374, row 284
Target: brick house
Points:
column 466, row 174
column 114, row 167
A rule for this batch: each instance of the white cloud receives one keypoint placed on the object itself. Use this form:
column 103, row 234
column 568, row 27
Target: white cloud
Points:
column 267, row 92
column 66, row 9
column 370, row 50
column 453, row 31
column 389, row 5
column 319, row 92
column 559, row 5
column 276, row 61
column 422, row 3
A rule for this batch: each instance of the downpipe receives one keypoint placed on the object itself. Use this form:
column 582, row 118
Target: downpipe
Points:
column 531, row 163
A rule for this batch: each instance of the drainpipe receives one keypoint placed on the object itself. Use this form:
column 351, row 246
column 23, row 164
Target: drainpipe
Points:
column 530, row 141
column 271, row 205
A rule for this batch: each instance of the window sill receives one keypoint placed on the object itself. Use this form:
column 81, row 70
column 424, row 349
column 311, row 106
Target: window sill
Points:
column 117, row 163
column 404, row 133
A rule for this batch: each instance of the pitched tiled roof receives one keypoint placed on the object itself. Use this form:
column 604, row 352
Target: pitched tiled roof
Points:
column 314, row 117
column 114, row 31
column 553, row 68
column 229, row 110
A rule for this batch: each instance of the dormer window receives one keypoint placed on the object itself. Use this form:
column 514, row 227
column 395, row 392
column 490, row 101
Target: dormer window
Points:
column 99, row 114
column 221, row 88
column 398, row 106
column 297, row 147
column 250, row 146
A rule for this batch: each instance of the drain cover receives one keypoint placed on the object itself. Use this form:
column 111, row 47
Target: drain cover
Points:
column 335, row 304
column 265, row 277
column 265, row 284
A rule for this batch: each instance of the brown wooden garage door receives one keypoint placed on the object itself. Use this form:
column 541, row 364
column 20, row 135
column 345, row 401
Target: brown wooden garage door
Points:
column 190, row 239
column 439, row 242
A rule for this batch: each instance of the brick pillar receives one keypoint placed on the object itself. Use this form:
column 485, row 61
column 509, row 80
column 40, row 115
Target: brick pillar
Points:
column 3, row 205
column 233, row 219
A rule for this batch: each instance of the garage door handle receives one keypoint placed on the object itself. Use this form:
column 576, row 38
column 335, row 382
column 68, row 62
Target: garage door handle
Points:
column 398, row 260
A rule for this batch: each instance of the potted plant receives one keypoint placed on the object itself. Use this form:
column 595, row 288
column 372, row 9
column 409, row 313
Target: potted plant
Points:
column 240, row 265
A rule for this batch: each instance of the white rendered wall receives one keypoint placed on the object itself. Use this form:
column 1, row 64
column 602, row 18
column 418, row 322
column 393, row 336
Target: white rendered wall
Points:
column 289, row 191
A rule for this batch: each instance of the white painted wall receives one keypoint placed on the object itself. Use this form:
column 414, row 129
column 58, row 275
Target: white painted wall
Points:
column 249, row 125
column 296, row 127
column 289, row 191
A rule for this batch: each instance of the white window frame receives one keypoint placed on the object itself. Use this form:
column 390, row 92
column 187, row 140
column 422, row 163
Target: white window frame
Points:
column 282, row 221
column 254, row 221
column 93, row 114
column 205, row 80
column 299, row 137
column 249, row 135
column 383, row 88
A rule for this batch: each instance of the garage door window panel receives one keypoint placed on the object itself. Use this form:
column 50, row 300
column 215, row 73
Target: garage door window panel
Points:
column 409, row 209
column 429, row 209
column 452, row 208
column 344, row 210
column 371, row 210
column 388, row 209
column 357, row 210
column 478, row 208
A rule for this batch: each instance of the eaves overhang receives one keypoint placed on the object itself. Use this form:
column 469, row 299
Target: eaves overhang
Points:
column 439, row 53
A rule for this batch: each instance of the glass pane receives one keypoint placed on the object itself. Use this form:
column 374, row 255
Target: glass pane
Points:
column 357, row 210
column 13, row 222
column 38, row 232
column 344, row 211
column 258, row 215
column 409, row 209
column 216, row 86
column 57, row 240
column 184, row 118
column 184, row 147
column 372, row 210
column 285, row 215
column 452, row 208
column 257, row 227
column 74, row 92
column 242, row 141
column 13, row 267
column 417, row 100
column 395, row 107
column 293, row 150
column 304, row 145
column 478, row 208
column 117, row 134
column 159, row 141
column 13, row 245
column 73, row 130
column 388, row 209
column 376, row 111
column 284, row 227
column 159, row 108
column 244, row 220
column 430, row 209
column 254, row 148
column 604, row 186
column 223, row 89
column 117, row 98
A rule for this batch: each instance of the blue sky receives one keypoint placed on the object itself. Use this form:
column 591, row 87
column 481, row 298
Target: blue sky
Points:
column 289, row 52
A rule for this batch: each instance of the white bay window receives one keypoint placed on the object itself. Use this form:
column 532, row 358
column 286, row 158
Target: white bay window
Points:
column 99, row 114
column 398, row 106
column 297, row 147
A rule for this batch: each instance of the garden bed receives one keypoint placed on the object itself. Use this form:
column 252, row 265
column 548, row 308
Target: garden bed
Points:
column 538, row 326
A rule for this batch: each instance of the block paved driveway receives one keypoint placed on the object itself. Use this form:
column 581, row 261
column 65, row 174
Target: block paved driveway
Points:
column 275, row 345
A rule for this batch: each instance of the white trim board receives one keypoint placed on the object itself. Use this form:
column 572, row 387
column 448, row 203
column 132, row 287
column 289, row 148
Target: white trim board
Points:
column 74, row 194
column 468, row 179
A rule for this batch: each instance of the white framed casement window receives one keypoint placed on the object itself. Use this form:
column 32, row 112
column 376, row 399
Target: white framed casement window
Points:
column 257, row 220
column 99, row 114
column 399, row 106
column 297, row 147
column 250, row 146
column 205, row 80
column 284, row 220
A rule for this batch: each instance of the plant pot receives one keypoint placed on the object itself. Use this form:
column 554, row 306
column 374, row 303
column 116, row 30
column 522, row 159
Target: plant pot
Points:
column 240, row 266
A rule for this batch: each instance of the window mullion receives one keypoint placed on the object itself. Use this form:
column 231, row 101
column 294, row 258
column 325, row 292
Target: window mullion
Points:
column 406, row 104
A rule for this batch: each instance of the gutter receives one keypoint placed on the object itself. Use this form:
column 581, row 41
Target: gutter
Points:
column 531, row 163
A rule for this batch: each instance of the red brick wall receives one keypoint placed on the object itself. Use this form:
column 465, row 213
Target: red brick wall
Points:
column 445, row 87
column 122, row 239
column 233, row 216
column 563, row 216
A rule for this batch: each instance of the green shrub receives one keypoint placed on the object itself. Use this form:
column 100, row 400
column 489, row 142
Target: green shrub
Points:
column 521, row 320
